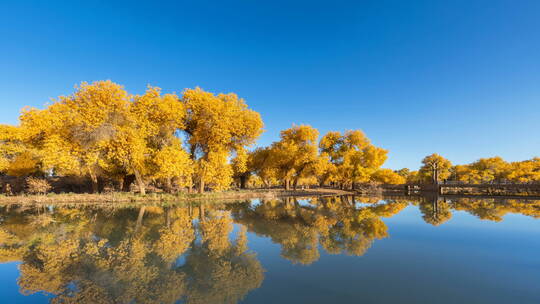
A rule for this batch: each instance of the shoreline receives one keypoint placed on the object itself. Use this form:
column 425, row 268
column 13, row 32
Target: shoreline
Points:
column 123, row 198
column 130, row 197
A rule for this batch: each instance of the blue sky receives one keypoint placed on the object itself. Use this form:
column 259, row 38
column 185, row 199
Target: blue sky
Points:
column 460, row 78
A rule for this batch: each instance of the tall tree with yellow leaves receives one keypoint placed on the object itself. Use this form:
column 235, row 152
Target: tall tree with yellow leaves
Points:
column 435, row 168
column 147, row 146
column 101, row 130
column 217, row 126
column 75, row 133
column 294, row 154
column 355, row 158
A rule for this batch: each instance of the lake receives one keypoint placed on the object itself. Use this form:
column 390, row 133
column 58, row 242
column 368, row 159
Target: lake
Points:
column 290, row 250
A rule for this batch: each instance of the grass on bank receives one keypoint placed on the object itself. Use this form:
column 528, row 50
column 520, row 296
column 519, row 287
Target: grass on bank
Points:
column 131, row 197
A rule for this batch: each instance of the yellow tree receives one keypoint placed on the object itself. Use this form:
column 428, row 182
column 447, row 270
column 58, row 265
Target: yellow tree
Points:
column 4, row 164
column 360, row 165
column 324, row 170
column 435, row 167
column 74, row 132
column 16, row 158
column 525, row 171
column 490, row 169
column 172, row 163
column 101, row 130
column 23, row 164
column 461, row 173
column 405, row 172
column 240, row 167
column 215, row 127
column 414, row 177
column 148, row 145
column 355, row 158
column 295, row 153
column 260, row 163
column 387, row 176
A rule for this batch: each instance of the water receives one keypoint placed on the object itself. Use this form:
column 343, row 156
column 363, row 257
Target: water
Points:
column 314, row 250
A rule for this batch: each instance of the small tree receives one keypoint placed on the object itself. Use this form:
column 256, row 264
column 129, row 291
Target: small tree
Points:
column 37, row 185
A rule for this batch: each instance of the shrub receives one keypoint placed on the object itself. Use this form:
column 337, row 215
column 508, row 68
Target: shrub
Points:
column 37, row 185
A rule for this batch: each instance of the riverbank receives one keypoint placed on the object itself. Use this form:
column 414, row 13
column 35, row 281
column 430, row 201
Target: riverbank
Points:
column 128, row 197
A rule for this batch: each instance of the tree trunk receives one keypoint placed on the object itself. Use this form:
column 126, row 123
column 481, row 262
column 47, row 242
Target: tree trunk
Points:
column 168, row 185
column 243, row 181
column 95, row 185
column 127, row 181
column 287, row 184
column 101, row 185
column 140, row 182
column 201, row 185
column 118, row 187
column 435, row 173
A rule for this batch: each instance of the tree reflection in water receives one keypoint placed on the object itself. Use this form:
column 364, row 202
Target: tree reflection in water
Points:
column 119, row 256
column 168, row 254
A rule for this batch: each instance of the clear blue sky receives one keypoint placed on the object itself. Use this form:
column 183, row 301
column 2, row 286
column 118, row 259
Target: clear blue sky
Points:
column 460, row 78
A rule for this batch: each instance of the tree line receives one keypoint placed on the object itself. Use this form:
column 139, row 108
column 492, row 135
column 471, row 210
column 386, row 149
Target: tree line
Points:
column 105, row 136
column 437, row 169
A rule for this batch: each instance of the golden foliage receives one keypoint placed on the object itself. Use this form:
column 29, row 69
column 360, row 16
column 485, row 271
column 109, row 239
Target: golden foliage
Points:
column 435, row 168
column 216, row 126
column 354, row 158
column 294, row 154
column 387, row 176
column 103, row 134
column 101, row 131
column 124, row 265
column 24, row 164
column 37, row 185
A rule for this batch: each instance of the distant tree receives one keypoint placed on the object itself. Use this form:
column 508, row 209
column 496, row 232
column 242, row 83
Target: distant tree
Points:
column 354, row 157
column 405, row 172
column 387, row 176
column 435, row 167
column 525, row 171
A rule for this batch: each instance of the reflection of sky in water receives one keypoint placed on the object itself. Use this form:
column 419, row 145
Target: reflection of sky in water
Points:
column 9, row 289
column 463, row 260
column 304, row 202
column 255, row 203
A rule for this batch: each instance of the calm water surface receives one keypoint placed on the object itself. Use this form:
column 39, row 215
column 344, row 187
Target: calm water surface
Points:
column 314, row 250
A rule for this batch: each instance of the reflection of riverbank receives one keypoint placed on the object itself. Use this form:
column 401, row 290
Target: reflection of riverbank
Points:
column 508, row 190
